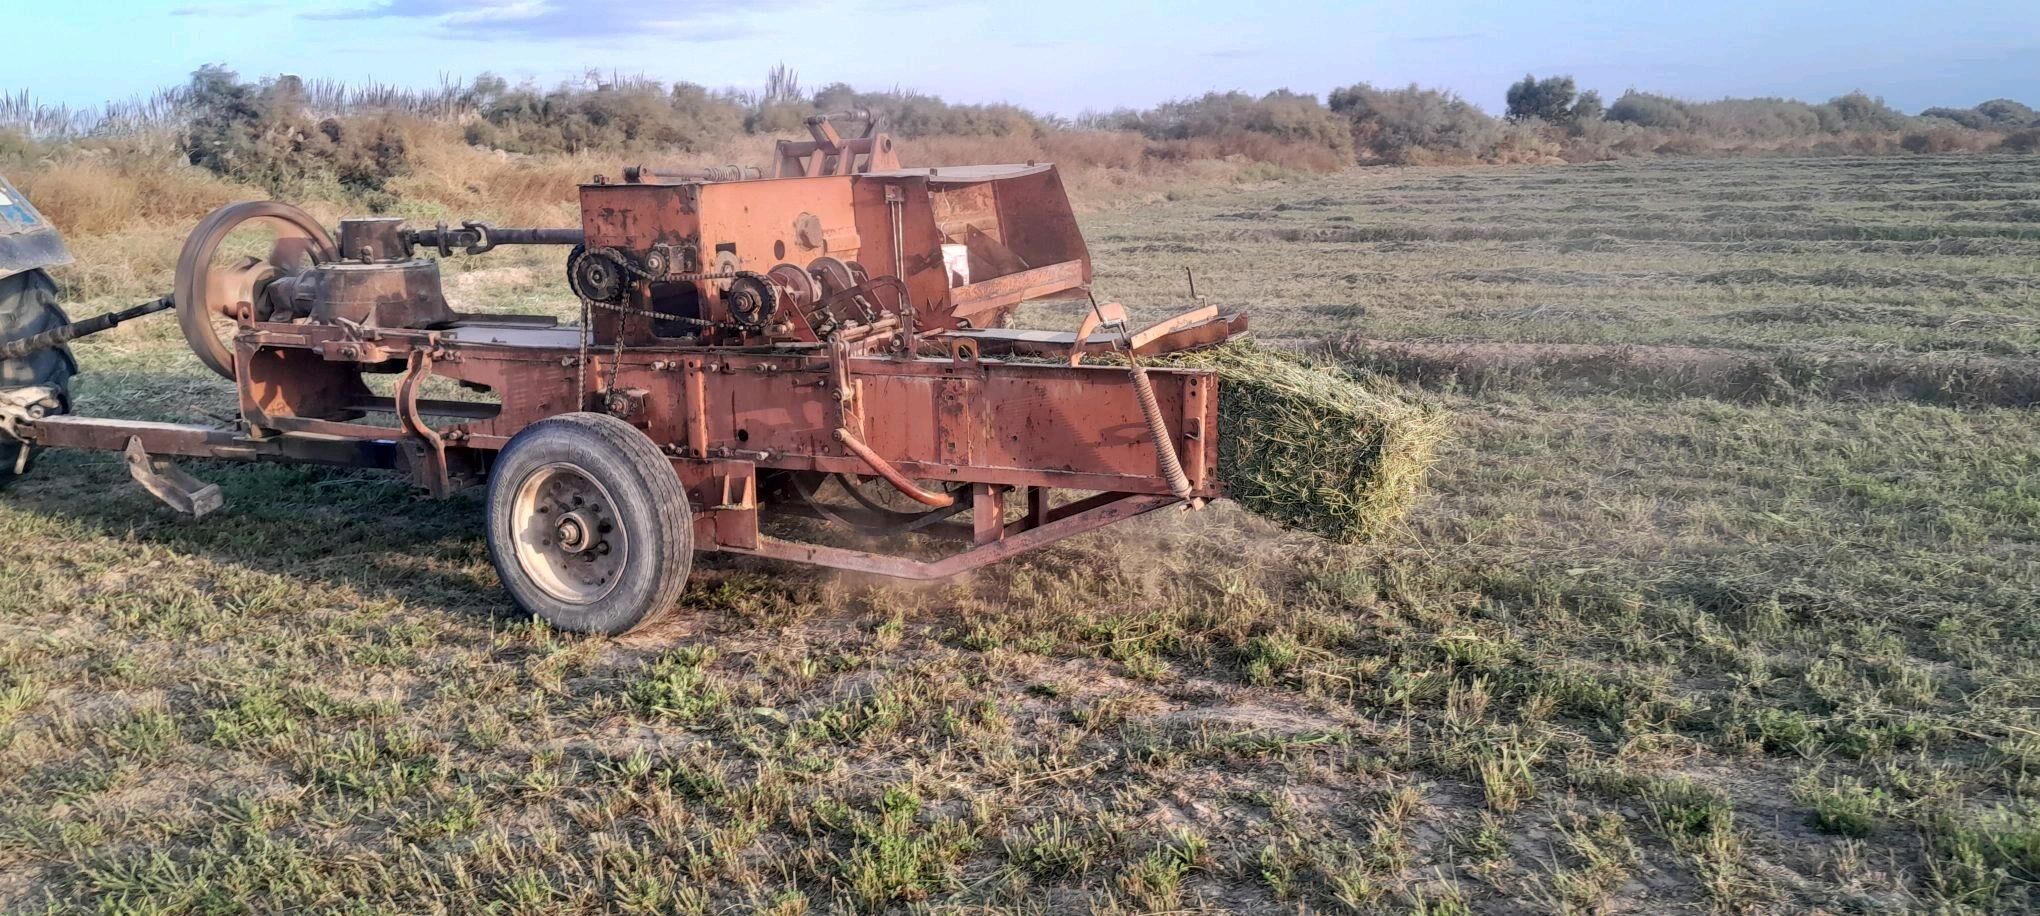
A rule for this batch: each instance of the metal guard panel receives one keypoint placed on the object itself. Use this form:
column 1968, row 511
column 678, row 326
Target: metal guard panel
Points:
column 27, row 239
column 1032, row 418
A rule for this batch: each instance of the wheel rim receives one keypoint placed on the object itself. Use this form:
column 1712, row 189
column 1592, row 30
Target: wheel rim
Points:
column 206, row 293
column 569, row 538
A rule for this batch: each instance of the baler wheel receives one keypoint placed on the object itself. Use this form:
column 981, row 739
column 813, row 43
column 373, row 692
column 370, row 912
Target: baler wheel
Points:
column 206, row 292
column 588, row 526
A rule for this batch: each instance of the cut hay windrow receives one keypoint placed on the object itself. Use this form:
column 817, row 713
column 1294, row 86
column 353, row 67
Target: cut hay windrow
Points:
column 1313, row 447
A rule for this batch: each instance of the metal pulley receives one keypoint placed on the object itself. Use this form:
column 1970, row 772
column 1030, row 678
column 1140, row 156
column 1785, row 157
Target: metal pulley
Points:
column 596, row 277
column 211, row 298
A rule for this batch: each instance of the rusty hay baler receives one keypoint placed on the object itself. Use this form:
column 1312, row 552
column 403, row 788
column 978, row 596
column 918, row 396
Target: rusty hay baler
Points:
column 827, row 342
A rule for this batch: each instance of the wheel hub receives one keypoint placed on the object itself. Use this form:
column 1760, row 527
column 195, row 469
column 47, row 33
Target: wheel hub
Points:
column 573, row 532
column 569, row 537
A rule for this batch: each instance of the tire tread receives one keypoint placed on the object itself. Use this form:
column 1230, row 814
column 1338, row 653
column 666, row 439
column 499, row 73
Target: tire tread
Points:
column 669, row 500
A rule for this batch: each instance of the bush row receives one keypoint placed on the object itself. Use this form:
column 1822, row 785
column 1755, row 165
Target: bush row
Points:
column 281, row 133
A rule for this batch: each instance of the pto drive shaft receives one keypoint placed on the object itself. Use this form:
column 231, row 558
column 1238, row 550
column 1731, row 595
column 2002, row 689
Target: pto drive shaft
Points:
column 65, row 333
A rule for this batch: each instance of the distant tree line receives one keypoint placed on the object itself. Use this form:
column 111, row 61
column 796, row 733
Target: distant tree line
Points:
column 282, row 130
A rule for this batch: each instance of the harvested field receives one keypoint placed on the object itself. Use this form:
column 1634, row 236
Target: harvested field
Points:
column 1651, row 641
column 1736, row 374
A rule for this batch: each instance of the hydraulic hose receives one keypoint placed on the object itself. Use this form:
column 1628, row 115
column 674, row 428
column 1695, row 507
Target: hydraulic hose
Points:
column 892, row 474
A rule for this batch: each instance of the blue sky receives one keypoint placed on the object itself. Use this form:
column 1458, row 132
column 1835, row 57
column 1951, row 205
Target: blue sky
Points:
column 1061, row 56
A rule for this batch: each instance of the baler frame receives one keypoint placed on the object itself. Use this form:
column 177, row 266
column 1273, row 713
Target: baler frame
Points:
column 295, row 373
column 755, row 385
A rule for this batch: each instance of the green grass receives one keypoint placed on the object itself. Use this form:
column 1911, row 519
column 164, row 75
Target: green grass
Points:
column 1646, row 643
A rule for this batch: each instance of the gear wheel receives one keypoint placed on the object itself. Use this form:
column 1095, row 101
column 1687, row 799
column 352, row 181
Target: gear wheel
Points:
column 596, row 275
column 751, row 299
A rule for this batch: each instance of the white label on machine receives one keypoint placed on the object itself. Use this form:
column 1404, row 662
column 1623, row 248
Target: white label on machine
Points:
column 956, row 260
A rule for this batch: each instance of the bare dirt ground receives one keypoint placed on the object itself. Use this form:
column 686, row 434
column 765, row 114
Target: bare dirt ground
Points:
column 1654, row 642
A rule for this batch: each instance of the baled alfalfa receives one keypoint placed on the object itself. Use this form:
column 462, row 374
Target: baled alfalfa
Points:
column 1314, row 447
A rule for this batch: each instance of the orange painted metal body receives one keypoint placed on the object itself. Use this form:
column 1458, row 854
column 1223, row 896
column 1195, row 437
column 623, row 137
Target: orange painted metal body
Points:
column 894, row 367
column 725, row 415
column 1014, row 224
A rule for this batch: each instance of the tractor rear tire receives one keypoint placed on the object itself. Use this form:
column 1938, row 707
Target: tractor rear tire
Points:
column 28, row 306
column 588, row 525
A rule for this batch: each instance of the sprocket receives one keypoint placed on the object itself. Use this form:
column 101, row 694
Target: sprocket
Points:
column 751, row 299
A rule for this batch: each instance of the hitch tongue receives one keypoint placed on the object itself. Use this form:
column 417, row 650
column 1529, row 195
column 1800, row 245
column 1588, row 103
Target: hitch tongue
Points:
column 169, row 483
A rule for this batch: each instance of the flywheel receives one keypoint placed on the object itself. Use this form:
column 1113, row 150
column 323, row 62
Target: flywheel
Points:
column 228, row 260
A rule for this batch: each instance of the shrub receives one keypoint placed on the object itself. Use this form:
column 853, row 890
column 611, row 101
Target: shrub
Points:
column 376, row 143
column 1945, row 139
column 2023, row 141
column 1596, row 140
column 2005, row 113
column 1549, row 99
column 1996, row 114
column 1401, row 125
column 1767, row 120
column 627, row 115
column 1646, row 110
column 1857, row 111
column 18, row 147
column 1287, row 116
column 777, row 117
column 914, row 114
column 260, row 133
column 1755, row 119
column 1966, row 117
column 1589, row 108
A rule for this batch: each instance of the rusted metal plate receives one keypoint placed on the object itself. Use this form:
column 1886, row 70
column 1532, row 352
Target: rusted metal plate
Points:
column 965, row 174
column 1198, row 453
column 1012, row 289
column 987, row 513
column 725, row 495
column 759, row 221
column 956, row 422
column 106, row 434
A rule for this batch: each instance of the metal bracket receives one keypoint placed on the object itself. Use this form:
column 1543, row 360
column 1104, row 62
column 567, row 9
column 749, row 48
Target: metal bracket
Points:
column 169, row 483
column 422, row 443
column 1109, row 315
column 21, row 407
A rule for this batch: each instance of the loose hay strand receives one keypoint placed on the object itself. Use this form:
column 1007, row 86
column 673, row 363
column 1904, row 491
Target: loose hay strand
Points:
column 1314, row 447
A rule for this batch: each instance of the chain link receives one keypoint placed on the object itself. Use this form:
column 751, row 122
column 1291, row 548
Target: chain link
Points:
column 616, row 356
column 581, row 360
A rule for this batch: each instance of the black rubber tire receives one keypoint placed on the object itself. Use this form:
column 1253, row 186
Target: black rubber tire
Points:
column 649, row 505
column 28, row 306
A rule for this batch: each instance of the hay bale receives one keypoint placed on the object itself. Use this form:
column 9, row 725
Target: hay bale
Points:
column 1314, row 447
